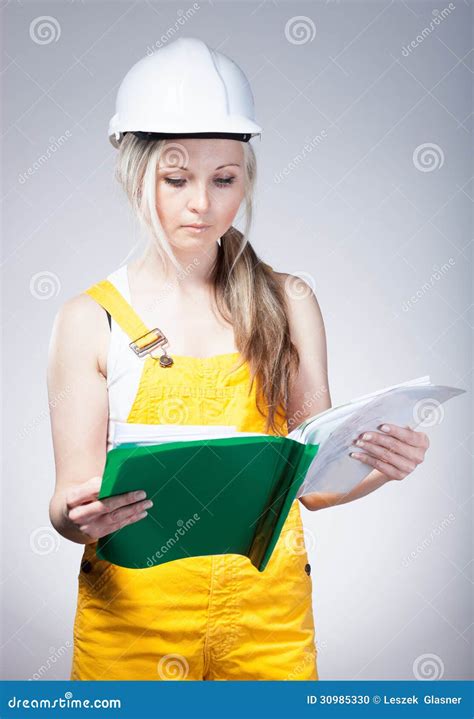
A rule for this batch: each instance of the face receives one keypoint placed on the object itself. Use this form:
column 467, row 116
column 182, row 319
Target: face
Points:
column 199, row 181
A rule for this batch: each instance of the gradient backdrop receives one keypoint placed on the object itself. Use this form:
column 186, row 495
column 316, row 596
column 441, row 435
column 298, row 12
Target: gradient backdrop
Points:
column 364, row 189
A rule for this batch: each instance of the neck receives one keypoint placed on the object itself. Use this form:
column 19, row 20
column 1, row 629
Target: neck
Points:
column 197, row 264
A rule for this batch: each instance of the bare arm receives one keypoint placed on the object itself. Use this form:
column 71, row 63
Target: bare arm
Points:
column 79, row 415
column 309, row 394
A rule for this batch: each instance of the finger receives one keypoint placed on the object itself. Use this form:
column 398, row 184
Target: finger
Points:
column 370, row 440
column 389, row 457
column 123, row 513
column 405, row 434
column 85, row 492
column 98, row 530
column 384, row 467
column 93, row 510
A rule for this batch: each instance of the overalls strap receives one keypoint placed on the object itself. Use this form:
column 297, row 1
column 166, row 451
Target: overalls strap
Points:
column 108, row 296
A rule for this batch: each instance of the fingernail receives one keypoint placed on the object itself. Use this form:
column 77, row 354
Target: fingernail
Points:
column 385, row 428
column 148, row 504
column 140, row 495
column 142, row 515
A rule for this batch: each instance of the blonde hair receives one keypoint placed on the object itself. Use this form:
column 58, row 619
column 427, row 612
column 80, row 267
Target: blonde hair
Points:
column 246, row 290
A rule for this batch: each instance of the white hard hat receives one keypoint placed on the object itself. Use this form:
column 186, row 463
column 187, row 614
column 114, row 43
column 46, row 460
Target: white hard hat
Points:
column 184, row 89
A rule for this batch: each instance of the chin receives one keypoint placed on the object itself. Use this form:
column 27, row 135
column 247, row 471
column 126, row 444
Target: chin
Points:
column 199, row 240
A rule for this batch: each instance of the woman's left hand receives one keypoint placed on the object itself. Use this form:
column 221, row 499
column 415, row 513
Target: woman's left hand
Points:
column 395, row 452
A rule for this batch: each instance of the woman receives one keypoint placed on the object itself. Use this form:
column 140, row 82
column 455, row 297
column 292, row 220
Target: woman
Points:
column 246, row 349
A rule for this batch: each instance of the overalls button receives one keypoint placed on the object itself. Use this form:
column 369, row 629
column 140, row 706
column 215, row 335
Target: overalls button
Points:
column 307, row 569
column 86, row 566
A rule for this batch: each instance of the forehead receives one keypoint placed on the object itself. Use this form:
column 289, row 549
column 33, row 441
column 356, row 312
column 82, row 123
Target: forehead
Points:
column 201, row 152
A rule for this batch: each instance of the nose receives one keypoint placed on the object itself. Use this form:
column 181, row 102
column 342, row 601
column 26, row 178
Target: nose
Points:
column 199, row 199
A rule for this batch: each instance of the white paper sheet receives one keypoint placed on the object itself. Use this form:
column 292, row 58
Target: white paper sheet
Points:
column 333, row 470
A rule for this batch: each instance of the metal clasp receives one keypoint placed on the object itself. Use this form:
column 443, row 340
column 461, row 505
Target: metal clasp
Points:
column 146, row 343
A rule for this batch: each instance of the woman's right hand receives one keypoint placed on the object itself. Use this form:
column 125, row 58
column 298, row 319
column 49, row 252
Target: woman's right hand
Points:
column 98, row 517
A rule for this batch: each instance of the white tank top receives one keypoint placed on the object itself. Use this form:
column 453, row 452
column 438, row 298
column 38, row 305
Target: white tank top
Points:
column 124, row 368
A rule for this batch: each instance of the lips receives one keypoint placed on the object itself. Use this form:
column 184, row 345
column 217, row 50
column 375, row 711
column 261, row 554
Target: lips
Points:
column 198, row 227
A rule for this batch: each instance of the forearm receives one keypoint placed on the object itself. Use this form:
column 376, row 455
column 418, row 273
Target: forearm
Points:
column 369, row 484
column 63, row 525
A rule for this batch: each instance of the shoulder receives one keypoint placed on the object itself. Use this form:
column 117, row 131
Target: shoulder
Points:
column 303, row 309
column 80, row 330
column 79, row 313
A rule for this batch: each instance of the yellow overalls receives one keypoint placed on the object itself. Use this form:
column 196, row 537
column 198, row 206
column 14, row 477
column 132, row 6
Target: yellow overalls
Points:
column 211, row 617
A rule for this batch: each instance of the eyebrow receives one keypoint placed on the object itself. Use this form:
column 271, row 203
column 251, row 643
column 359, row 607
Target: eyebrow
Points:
column 178, row 167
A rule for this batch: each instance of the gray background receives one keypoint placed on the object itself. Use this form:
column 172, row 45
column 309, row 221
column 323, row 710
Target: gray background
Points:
column 357, row 215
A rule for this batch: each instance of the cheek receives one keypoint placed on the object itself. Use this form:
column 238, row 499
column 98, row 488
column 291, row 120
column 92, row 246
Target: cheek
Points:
column 166, row 205
column 227, row 206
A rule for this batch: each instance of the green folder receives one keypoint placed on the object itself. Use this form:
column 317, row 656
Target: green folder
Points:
column 227, row 495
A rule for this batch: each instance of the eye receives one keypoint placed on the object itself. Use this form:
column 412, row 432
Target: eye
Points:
column 174, row 182
column 220, row 181
column 224, row 181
